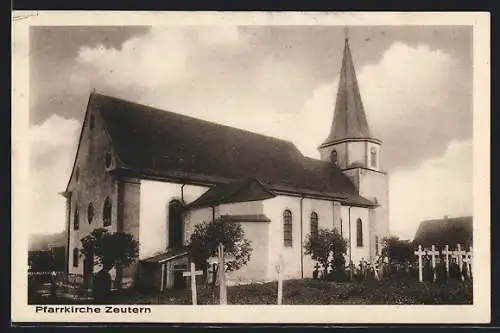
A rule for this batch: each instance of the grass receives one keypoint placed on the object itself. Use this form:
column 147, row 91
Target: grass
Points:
column 308, row 291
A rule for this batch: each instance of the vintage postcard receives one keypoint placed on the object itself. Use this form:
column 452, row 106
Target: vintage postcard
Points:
column 230, row 167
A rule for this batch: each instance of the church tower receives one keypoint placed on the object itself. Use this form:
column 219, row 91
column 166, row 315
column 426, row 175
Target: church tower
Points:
column 351, row 147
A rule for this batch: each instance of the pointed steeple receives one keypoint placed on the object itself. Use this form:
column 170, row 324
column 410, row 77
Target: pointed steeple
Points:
column 349, row 120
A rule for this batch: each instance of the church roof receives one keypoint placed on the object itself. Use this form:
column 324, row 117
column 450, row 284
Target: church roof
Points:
column 240, row 190
column 447, row 231
column 156, row 143
column 349, row 119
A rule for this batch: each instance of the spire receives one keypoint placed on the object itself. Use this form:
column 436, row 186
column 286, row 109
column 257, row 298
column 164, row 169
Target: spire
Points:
column 349, row 120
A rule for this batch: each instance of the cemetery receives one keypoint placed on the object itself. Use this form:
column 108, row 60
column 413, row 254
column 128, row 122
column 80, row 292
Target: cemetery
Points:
column 435, row 275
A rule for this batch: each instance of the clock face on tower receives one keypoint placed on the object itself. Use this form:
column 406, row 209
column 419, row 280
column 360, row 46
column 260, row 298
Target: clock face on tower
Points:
column 333, row 157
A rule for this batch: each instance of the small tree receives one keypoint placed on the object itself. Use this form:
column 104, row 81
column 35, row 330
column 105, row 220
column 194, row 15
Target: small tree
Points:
column 323, row 244
column 208, row 235
column 397, row 250
column 118, row 249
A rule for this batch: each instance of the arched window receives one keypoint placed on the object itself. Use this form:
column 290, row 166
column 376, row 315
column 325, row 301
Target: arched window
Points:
column 76, row 256
column 314, row 224
column 90, row 212
column 287, row 228
column 76, row 219
column 373, row 157
column 359, row 233
column 175, row 224
column 333, row 156
column 106, row 212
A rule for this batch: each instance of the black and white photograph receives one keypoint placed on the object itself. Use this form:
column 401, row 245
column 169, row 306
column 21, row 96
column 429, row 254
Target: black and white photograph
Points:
column 265, row 160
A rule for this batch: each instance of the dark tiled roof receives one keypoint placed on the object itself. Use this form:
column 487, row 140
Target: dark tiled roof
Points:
column 160, row 143
column 245, row 218
column 248, row 189
column 349, row 120
column 448, row 231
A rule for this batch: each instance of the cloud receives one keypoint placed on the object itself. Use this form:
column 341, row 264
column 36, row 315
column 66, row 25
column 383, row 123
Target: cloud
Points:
column 415, row 98
column 437, row 187
column 52, row 149
column 147, row 62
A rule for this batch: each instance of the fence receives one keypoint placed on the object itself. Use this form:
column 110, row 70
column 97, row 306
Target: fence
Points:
column 430, row 264
column 43, row 285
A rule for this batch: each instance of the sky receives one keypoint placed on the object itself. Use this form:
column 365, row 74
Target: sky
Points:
column 415, row 82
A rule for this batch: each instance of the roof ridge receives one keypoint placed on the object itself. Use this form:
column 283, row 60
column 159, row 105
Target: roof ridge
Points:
column 158, row 109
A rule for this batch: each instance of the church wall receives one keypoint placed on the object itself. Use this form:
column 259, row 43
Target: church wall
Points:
column 324, row 209
column 375, row 184
column 356, row 253
column 194, row 217
column 131, row 190
column 356, row 153
column 94, row 184
column 257, row 268
column 274, row 208
column 242, row 208
column 341, row 149
column 154, row 198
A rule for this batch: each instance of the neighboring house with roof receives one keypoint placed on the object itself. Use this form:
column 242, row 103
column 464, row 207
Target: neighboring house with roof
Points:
column 156, row 174
column 446, row 231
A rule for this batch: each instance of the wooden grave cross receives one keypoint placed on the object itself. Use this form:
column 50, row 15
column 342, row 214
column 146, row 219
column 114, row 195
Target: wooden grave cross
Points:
column 459, row 255
column 222, row 276
column 192, row 273
column 433, row 253
column 447, row 253
column 420, row 253
column 279, row 270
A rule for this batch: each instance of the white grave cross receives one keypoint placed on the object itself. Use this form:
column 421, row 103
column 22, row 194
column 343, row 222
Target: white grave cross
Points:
column 433, row 253
column 279, row 270
column 420, row 253
column 468, row 261
column 459, row 255
column 447, row 253
column 192, row 273
column 222, row 276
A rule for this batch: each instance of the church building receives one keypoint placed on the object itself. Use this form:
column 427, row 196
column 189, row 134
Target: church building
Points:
column 156, row 174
